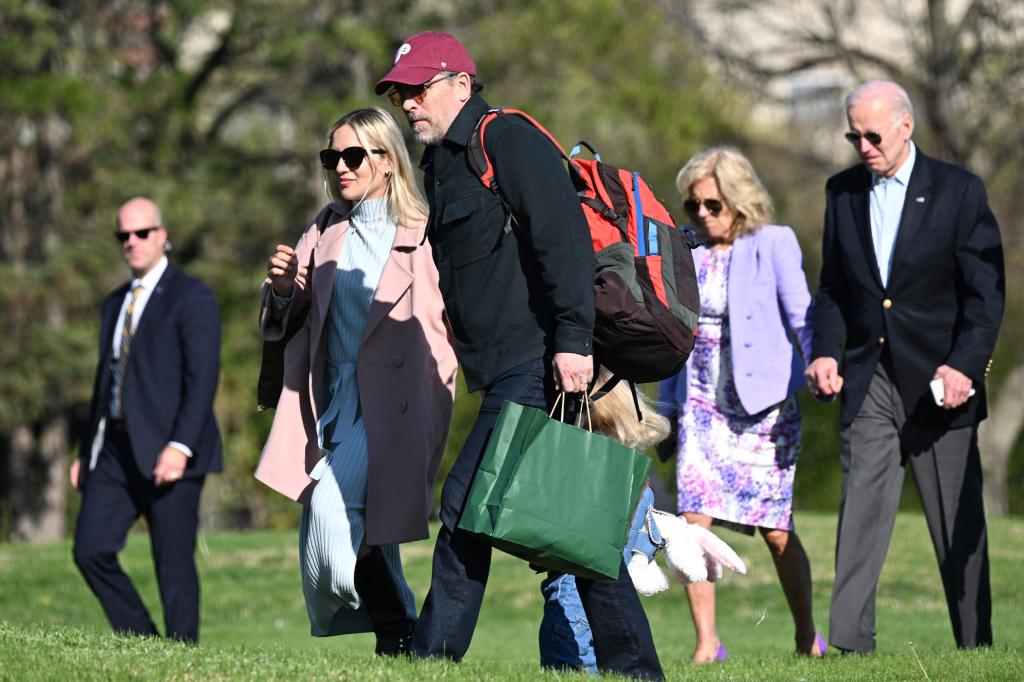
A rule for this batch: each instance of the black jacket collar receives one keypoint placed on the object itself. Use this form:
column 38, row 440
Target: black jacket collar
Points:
column 461, row 129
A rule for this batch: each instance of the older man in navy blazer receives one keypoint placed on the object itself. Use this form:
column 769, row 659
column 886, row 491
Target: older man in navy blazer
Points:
column 151, row 436
column 911, row 295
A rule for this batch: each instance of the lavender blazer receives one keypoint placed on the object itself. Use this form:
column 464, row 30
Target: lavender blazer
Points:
column 768, row 303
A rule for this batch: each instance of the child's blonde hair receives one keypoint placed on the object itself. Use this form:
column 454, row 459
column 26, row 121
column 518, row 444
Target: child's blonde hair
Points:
column 614, row 415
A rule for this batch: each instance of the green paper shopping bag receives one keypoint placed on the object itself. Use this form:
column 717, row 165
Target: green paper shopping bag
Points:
column 556, row 495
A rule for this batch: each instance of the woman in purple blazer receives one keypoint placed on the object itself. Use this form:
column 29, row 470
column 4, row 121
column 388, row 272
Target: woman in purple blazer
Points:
column 738, row 417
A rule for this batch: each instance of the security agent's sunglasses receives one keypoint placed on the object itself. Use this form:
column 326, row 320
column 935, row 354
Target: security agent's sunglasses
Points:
column 692, row 206
column 352, row 156
column 124, row 235
column 401, row 92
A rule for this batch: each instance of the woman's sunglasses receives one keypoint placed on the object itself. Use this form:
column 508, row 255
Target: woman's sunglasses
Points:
column 692, row 206
column 123, row 236
column 352, row 156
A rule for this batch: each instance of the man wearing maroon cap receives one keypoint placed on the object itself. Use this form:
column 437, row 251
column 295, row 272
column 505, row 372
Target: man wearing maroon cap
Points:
column 516, row 270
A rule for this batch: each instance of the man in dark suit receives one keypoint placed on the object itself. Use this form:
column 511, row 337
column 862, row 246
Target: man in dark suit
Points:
column 912, row 283
column 152, row 436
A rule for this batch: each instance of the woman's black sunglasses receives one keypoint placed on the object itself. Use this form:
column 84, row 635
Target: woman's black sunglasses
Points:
column 692, row 206
column 352, row 156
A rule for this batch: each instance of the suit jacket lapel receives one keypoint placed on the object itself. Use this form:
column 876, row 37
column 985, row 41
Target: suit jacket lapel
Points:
column 915, row 204
column 744, row 259
column 860, row 207
column 395, row 279
column 156, row 305
column 111, row 310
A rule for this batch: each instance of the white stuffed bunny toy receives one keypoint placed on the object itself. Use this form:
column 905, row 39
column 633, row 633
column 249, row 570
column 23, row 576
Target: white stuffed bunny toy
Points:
column 695, row 553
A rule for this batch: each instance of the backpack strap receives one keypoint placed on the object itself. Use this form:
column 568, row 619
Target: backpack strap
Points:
column 479, row 160
column 612, row 383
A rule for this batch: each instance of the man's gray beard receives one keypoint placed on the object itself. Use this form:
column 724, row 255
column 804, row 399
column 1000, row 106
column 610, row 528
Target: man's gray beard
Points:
column 428, row 137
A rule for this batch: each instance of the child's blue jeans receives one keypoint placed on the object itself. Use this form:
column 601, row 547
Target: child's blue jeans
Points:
column 565, row 639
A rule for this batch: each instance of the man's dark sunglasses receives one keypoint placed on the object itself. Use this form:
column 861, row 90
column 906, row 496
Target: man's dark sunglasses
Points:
column 692, row 206
column 401, row 92
column 123, row 235
column 871, row 136
column 352, row 156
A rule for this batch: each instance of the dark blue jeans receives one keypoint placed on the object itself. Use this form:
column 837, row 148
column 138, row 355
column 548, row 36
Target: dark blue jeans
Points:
column 462, row 561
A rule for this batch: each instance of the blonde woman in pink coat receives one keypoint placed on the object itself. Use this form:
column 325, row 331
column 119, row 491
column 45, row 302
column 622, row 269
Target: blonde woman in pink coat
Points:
column 368, row 384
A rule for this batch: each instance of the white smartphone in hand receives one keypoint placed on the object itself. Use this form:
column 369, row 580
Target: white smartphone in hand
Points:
column 939, row 391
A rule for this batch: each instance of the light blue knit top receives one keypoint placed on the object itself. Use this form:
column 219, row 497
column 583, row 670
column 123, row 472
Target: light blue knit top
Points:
column 367, row 245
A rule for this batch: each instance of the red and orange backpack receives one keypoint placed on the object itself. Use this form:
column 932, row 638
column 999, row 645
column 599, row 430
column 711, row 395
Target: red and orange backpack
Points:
column 645, row 286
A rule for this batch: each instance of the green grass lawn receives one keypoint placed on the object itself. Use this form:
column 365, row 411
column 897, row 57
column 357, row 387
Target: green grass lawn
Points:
column 254, row 623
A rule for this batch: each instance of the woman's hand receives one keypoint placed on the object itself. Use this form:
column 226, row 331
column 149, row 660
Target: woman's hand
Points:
column 282, row 270
column 823, row 378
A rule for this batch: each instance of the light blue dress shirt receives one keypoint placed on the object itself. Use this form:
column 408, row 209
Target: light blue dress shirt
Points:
column 887, row 198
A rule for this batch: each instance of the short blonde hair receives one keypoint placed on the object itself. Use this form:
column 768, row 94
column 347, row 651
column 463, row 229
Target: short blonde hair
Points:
column 737, row 182
column 614, row 415
column 376, row 129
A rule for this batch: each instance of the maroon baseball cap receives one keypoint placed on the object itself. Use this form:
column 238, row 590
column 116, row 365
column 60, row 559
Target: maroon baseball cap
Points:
column 422, row 56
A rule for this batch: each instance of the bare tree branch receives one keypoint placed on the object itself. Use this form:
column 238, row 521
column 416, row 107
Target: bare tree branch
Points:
column 216, row 59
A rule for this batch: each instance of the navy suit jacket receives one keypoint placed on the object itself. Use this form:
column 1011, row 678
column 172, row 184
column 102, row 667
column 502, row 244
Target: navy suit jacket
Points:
column 171, row 378
column 944, row 299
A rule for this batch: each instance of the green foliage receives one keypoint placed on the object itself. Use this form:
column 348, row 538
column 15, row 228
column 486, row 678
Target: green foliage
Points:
column 254, row 622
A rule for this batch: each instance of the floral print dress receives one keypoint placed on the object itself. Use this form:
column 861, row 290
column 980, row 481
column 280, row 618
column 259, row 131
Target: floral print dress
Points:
column 732, row 466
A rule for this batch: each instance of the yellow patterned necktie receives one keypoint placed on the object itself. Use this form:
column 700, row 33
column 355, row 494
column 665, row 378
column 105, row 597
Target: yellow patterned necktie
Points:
column 127, row 333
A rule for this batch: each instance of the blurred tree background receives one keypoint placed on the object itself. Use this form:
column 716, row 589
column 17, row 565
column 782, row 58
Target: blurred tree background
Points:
column 216, row 110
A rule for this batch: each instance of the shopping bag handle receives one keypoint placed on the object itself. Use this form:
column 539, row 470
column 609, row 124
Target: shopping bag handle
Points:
column 579, row 417
column 560, row 400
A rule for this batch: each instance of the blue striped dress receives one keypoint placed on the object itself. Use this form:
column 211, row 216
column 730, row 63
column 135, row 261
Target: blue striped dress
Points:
column 334, row 522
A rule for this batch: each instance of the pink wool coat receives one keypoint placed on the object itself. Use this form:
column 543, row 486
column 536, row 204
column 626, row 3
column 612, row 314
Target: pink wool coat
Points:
column 406, row 374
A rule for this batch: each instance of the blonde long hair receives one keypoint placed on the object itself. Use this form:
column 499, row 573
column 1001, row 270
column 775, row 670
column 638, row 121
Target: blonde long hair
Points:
column 614, row 415
column 740, row 187
column 377, row 129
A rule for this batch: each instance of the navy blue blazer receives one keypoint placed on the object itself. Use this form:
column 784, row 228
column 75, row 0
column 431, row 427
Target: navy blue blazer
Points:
column 945, row 296
column 172, row 374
